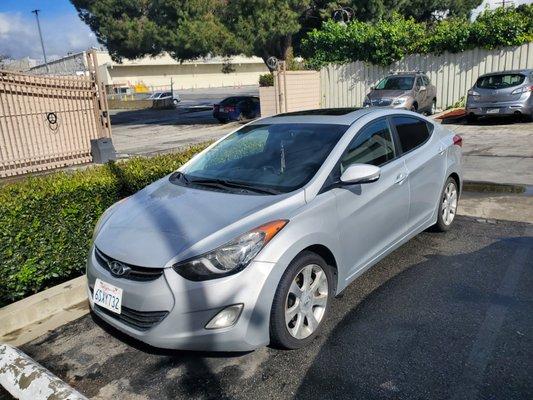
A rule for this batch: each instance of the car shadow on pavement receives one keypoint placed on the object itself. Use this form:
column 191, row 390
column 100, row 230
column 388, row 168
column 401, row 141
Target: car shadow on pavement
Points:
column 414, row 336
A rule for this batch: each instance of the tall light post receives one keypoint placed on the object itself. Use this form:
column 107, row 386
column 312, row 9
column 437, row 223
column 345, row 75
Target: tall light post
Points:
column 36, row 12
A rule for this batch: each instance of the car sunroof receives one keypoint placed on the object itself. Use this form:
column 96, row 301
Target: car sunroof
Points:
column 320, row 111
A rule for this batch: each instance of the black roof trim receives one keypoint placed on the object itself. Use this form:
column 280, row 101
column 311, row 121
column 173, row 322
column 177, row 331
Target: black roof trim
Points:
column 320, row 111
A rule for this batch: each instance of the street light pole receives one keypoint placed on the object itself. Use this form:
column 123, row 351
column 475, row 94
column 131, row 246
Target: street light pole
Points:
column 36, row 12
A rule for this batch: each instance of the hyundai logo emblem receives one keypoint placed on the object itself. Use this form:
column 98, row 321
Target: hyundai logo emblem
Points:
column 119, row 269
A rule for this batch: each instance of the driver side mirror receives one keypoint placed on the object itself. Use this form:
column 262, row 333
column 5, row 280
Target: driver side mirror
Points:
column 360, row 173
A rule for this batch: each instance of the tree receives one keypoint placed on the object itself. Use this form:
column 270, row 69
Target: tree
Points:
column 189, row 29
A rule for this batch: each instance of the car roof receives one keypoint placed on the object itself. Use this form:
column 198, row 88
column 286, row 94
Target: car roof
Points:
column 334, row 116
column 524, row 71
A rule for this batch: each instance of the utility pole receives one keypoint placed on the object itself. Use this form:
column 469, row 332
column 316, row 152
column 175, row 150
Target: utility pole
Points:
column 36, row 12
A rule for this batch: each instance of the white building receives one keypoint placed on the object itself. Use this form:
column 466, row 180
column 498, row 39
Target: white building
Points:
column 156, row 73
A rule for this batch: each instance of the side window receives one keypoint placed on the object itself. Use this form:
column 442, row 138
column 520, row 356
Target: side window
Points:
column 412, row 132
column 373, row 145
column 425, row 79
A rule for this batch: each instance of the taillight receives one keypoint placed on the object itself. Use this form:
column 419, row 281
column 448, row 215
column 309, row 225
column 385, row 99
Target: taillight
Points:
column 458, row 141
column 524, row 89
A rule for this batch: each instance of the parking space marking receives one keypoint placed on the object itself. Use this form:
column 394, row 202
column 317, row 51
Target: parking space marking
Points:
column 483, row 346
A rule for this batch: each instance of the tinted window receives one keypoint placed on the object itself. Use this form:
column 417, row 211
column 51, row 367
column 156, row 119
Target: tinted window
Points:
column 412, row 132
column 373, row 145
column 396, row 83
column 500, row 81
column 283, row 157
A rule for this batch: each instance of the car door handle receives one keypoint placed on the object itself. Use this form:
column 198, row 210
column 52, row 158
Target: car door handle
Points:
column 401, row 178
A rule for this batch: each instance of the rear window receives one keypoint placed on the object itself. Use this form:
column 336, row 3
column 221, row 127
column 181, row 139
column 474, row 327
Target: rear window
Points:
column 230, row 101
column 412, row 132
column 500, row 81
column 396, row 83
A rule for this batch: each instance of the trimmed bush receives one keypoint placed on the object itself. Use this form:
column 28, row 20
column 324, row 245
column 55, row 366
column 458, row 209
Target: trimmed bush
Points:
column 266, row 80
column 46, row 222
column 387, row 41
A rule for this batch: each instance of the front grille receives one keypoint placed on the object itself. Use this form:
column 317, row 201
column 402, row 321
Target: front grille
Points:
column 135, row 273
column 140, row 320
column 381, row 102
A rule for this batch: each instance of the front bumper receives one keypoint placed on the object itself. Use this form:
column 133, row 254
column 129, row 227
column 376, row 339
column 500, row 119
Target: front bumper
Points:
column 191, row 305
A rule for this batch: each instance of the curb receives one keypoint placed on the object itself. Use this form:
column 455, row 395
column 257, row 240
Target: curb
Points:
column 485, row 187
column 24, row 378
column 451, row 114
column 69, row 297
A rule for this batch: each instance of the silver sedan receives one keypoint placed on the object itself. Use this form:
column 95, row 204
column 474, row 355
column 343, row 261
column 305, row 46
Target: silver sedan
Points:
column 247, row 243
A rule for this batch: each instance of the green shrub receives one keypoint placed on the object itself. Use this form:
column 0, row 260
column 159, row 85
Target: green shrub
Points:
column 266, row 80
column 46, row 222
column 387, row 41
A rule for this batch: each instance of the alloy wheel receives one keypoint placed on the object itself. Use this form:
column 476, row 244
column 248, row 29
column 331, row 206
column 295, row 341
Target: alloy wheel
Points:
column 449, row 203
column 306, row 301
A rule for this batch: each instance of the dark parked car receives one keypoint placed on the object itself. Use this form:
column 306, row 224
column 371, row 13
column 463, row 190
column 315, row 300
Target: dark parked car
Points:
column 502, row 93
column 237, row 108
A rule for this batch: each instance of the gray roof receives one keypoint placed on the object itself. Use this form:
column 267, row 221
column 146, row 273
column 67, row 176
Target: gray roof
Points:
column 525, row 71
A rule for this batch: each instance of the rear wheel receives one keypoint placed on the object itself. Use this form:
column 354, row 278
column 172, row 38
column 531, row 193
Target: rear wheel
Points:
column 301, row 301
column 433, row 107
column 447, row 205
column 414, row 107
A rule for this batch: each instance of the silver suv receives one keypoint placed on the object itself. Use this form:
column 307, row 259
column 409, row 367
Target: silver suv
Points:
column 408, row 90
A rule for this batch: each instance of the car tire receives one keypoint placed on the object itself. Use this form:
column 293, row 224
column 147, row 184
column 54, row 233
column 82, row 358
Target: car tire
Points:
column 299, row 331
column 471, row 118
column 447, row 207
column 432, row 107
column 414, row 107
column 176, row 102
column 222, row 121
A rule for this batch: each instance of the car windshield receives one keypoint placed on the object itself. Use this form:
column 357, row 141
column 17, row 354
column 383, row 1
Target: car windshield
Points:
column 396, row 83
column 500, row 81
column 275, row 158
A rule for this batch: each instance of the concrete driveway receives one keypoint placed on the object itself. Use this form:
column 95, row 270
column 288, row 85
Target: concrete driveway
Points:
column 445, row 316
column 497, row 150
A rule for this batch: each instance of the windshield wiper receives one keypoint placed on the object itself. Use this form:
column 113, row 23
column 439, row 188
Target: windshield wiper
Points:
column 221, row 183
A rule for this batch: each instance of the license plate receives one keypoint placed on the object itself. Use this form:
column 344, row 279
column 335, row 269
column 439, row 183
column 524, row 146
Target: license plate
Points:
column 107, row 296
column 493, row 111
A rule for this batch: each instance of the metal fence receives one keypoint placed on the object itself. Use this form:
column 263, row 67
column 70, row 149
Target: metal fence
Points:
column 453, row 74
column 48, row 122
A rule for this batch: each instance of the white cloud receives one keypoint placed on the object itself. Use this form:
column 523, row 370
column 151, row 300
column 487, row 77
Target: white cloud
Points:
column 62, row 34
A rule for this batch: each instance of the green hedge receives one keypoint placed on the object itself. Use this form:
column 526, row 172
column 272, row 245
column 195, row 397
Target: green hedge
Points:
column 46, row 222
column 387, row 41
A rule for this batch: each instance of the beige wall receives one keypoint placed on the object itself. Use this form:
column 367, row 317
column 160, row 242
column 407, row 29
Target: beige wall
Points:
column 292, row 91
column 186, row 76
column 453, row 74
column 157, row 71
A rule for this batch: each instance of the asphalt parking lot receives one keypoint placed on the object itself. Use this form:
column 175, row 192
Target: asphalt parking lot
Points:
column 445, row 316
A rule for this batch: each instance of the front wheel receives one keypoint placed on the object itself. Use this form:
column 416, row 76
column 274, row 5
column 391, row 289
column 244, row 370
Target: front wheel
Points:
column 301, row 301
column 447, row 205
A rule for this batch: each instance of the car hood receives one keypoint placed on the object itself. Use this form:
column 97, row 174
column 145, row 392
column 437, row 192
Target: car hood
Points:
column 165, row 220
column 387, row 94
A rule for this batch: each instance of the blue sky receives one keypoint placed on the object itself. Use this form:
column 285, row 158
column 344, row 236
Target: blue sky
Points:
column 63, row 31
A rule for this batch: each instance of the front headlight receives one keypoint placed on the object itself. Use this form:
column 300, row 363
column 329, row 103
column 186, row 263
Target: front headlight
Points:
column 472, row 92
column 231, row 257
column 399, row 100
